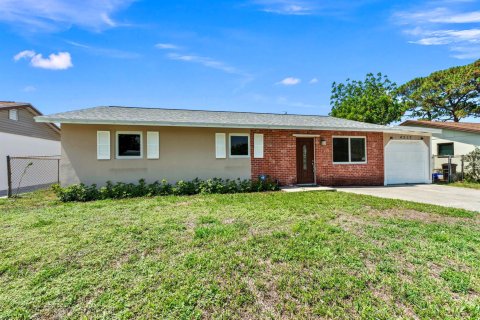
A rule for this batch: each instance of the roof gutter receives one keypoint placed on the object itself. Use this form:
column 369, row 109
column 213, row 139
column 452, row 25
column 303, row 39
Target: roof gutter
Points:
column 421, row 129
column 398, row 130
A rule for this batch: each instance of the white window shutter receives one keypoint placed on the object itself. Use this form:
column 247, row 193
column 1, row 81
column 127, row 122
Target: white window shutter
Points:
column 220, row 146
column 103, row 145
column 258, row 145
column 153, row 145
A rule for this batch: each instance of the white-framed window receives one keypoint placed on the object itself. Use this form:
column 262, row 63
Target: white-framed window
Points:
column 13, row 114
column 239, row 145
column 349, row 149
column 129, row 145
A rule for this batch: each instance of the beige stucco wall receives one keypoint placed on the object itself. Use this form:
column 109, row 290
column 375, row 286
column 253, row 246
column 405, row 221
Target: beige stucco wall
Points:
column 463, row 143
column 185, row 153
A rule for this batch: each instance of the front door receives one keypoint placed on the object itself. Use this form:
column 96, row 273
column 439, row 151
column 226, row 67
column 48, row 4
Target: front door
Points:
column 305, row 161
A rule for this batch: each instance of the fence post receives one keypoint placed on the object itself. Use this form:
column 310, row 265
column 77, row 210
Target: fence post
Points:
column 9, row 177
column 463, row 166
column 449, row 169
column 58, row 171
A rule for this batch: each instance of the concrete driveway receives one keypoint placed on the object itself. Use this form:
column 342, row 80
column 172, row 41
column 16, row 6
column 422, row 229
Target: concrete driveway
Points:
column 462, row 198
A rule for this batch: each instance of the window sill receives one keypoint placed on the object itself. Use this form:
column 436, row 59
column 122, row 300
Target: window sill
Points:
column 128, row 158
column 239, row 157
column 362, row 162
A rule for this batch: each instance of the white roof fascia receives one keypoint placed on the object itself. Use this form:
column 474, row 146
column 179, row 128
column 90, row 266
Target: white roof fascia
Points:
column 421, row 129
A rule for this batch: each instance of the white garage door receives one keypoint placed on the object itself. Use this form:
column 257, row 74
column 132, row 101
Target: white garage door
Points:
column 406, row 162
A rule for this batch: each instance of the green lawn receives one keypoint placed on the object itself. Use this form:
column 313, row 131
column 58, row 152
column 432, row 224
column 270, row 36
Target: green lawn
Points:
column 470, row 185
column 269, row 255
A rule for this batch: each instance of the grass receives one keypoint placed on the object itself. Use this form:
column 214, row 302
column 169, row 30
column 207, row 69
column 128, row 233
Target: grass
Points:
column 464, row 184
column 257, row 256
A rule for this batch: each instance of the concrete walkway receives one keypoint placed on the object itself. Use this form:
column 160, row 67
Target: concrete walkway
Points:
column 461, row 198
column 306, row 188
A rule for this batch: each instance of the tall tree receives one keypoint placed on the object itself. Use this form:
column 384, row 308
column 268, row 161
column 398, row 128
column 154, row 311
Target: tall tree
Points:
column 372, row 100
column 450, row 94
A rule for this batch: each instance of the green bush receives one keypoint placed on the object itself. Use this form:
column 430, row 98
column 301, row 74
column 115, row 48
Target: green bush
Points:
column 120, row 190
column 472, row 169
column 77, row 192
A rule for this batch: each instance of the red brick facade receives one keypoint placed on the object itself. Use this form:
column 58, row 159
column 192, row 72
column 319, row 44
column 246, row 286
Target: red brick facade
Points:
column 279, row 161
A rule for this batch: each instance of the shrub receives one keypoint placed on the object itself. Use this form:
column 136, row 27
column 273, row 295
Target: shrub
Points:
column 472, row 169
column 186, row 188
column 120, row 190
column 77, row 192
column 215, row 185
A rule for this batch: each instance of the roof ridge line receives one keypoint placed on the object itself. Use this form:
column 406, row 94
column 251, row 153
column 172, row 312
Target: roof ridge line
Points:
column 222, row 111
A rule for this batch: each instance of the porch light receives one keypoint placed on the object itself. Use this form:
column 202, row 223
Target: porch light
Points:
column 323, row 141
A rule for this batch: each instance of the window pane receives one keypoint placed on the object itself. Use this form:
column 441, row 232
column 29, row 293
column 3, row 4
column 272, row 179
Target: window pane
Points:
column 445, row 149
column 357, row 147
column 340, row 149
column 129, row 145
column 239, row 145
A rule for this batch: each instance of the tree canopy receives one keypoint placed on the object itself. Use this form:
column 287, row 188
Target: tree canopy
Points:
column 450, row 94
column 372, row 100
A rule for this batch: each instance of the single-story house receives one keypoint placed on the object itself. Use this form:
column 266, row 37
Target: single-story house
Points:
column 125, row 144
column 455, row 139
column 20, row 135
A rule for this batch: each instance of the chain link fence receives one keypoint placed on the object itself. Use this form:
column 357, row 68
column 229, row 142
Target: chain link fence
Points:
column 26, row 174
column 453, row 168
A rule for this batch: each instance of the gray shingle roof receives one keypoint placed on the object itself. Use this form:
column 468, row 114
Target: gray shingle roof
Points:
column 200, row 118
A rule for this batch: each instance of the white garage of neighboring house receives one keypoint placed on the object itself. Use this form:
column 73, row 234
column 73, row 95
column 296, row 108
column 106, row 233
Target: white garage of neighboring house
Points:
column 20, row 135
column 408, row 159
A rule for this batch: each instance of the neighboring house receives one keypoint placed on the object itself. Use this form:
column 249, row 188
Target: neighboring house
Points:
column 20, row 135
column 126, row 144
column 456, row 139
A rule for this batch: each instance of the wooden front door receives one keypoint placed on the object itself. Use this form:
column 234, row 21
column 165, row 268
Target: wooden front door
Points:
column 305, row 161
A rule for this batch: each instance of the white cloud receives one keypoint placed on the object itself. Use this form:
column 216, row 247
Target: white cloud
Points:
column 209, row 63
column 167, row 46
column 205, row 61
column 286, row 7
column 309, row 7
column 468, row 17
column 438, row 15
column 29, row 89
column 24, row 54
column 59, row 61
column 313, row 81
column 454, row 25
column 106, row 52
column 469, row 52
column 55, row 15
column 108, row 21
column 289, row 81
column 444, row 37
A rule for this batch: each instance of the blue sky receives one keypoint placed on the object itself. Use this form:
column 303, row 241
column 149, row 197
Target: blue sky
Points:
column 244, row 55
